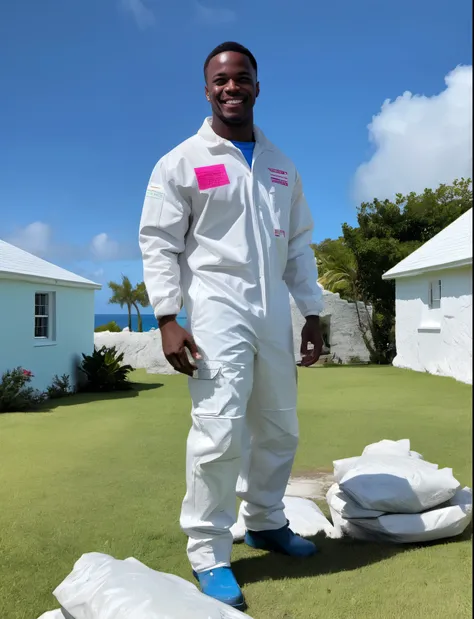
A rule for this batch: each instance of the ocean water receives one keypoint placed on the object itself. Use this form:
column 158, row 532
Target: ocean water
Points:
column 149, row 321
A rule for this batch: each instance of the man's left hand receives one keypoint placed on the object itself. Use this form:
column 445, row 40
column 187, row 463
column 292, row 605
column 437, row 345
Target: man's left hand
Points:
column 311, row 335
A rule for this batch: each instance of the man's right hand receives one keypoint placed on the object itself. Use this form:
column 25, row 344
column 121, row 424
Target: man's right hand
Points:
column 175, row 340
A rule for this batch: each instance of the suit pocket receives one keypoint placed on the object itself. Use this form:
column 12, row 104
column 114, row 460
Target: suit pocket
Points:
column 220, row 389
column 206, row 370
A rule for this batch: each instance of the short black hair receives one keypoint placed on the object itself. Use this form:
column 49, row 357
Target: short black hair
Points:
column 231, row 46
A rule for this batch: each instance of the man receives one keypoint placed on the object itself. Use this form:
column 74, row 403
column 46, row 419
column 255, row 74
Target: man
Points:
column 226, row 228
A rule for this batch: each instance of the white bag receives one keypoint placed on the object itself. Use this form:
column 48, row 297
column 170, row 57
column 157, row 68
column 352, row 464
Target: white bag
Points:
column 341, row 467
column 446, row 521
column 101, row 587
column 344, row 527
column 384, row 447
column 306, row 519
column 346, row 507
column 387, row 447
column 400, row 485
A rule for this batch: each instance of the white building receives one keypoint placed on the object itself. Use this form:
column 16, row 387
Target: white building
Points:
column 46, row 316
column 434, row 304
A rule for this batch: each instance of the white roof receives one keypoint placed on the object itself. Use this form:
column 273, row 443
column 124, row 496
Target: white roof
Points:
column 15, row 263
column 452, row 247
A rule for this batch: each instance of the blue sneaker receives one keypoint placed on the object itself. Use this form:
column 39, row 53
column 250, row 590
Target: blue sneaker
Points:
column 281, row 540
column 220, row 584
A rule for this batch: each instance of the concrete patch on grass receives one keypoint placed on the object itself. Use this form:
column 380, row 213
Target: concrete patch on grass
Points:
column 310, row 486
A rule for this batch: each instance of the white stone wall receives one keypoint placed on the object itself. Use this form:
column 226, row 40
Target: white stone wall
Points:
column 143, row 350
column 345, row 336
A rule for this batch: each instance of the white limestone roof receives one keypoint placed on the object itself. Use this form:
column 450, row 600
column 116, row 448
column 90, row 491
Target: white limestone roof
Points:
column 452, row 247
column 17, row 264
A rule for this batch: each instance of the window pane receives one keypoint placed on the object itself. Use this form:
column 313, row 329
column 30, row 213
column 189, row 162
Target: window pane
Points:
column 41, row 304
column 435, row 294
column 42, row 324
column 41, row 327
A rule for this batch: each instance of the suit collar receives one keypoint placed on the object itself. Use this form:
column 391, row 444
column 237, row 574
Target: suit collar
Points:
column 207, row 133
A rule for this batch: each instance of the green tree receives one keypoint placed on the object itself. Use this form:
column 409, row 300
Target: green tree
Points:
column 140, row 298
column 336, row 267
column 338, row 272
column 124, row 295
column 388, row 231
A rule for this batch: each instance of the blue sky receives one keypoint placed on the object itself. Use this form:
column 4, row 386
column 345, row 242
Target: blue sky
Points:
column 94, row 92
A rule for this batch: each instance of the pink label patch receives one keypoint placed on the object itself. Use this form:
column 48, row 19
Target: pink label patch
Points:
column 279, row 181
column 211, row 176
column 280, row 233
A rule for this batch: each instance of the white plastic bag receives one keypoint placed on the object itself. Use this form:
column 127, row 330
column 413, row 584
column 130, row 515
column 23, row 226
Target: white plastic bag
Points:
column 447, row 521
column 384, row 447
column 387, row 447
column 341, row 467
column 400, row 485
column 346, row 507
column 101, row 587
column 342, row 527
column 306, row 519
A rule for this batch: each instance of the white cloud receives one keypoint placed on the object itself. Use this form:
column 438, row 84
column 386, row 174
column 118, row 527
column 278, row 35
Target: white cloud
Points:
column 419, row 141
column 141, row 12
column 39, row 239
column 103, row 248
column 35, row 238
column 214, row 16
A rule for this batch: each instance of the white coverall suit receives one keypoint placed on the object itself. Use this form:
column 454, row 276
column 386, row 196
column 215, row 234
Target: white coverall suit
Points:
column 230, row 242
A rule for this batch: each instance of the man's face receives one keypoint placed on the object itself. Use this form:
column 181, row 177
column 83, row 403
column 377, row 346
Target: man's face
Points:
column 231, row 87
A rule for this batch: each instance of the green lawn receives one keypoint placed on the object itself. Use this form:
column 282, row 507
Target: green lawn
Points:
column 106, row 474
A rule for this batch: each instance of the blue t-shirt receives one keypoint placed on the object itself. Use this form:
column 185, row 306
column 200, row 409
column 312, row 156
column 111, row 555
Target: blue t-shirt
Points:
column 247, row 149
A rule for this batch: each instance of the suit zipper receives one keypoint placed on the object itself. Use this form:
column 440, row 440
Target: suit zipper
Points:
column 258, row 232
column 256, row 223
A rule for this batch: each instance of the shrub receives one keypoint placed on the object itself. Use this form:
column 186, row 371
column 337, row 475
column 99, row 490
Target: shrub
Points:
column 110, row 326
column 60, row 387
column 15, row 395
column 104, row 370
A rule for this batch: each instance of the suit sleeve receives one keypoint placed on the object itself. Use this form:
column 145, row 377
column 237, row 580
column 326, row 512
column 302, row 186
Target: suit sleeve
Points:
column 301, row 273
column 163, row 226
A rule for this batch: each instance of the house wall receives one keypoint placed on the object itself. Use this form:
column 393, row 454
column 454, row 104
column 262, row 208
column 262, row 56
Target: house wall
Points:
column 74, row 330
column 438, row 341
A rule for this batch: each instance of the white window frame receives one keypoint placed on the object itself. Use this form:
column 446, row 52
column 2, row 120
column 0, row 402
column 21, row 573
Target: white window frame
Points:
column 435, row 294
column 50, row 316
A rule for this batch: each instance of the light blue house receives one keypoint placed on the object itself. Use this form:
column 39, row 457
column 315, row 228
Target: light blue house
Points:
column 46, row 316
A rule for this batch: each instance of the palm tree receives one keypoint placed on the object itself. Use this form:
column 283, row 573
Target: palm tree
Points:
column 126, row 294
column 339, row 273
column 338, row 276
column 140, row 298
column 123, row 294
